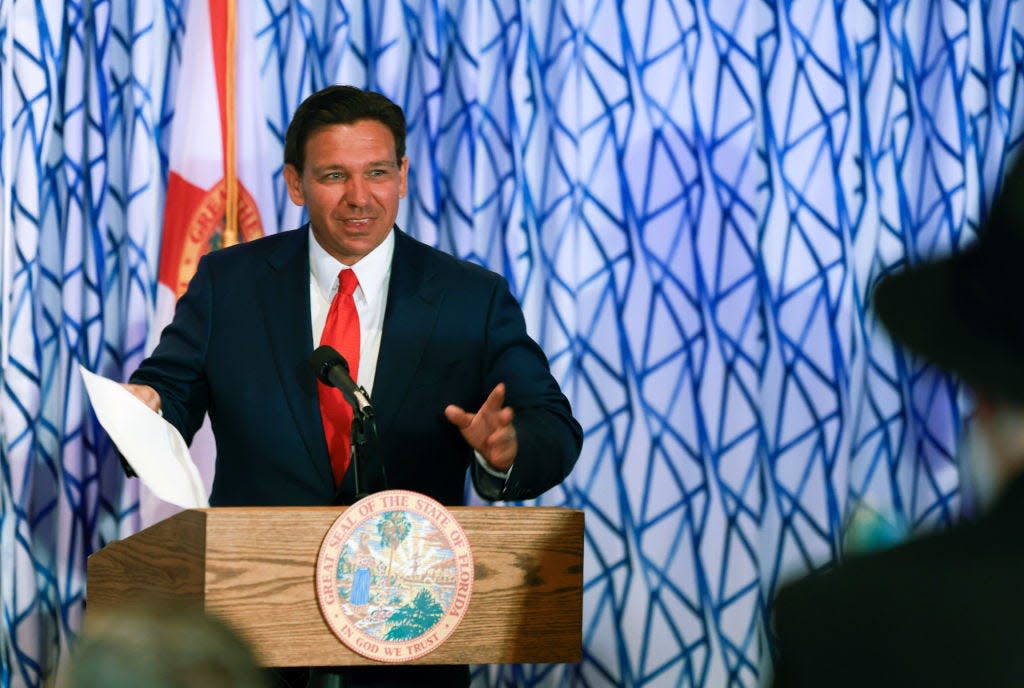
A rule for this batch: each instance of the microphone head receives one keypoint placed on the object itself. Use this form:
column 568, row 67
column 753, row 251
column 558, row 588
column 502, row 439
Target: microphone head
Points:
column 323, row 359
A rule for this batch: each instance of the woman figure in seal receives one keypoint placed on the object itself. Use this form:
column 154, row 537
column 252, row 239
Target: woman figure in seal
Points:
column 359, row 595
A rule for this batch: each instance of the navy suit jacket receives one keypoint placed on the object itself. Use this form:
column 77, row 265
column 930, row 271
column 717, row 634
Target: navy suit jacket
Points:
column 239, row 348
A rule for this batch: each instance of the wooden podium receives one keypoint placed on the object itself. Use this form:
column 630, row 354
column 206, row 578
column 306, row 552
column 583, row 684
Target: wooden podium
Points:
column 255, row 569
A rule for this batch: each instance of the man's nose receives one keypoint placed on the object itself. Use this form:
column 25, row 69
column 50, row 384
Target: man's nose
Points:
column 357, row 191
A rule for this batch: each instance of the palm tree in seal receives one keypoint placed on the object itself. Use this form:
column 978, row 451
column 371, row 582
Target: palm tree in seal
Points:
column 393, row 528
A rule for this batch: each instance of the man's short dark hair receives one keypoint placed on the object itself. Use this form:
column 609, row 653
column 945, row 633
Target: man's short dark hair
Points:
column 340, row 105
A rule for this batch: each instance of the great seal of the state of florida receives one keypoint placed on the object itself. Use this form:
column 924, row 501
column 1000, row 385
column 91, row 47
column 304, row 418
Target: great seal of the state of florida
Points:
column 394, row 576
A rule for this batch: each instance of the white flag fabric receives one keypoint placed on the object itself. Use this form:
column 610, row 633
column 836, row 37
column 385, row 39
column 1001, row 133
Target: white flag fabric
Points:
column 217, row 140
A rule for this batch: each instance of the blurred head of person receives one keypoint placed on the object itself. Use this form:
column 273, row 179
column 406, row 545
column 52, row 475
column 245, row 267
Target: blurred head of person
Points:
column 965, row 314
column 160, row 646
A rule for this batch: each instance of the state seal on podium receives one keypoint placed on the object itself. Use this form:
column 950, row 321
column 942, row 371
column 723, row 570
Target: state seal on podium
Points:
column 394, row 576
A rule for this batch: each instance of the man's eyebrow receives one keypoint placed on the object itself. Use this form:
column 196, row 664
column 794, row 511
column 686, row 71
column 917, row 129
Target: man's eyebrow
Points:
column 331, row 167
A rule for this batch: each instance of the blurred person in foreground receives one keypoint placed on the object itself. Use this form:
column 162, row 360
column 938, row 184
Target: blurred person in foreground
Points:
column 946, row 609
column 161, row 646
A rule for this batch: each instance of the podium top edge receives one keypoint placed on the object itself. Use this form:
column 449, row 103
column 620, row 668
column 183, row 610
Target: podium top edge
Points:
column 340, row 509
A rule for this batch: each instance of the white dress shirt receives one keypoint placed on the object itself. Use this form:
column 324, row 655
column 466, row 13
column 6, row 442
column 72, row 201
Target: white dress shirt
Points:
column 371, row 297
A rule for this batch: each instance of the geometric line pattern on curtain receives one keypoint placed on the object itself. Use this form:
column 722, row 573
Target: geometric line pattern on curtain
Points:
column 82, row 86
column 692, row 201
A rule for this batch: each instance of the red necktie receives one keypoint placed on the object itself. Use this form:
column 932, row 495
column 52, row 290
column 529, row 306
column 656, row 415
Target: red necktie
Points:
column 342, row 332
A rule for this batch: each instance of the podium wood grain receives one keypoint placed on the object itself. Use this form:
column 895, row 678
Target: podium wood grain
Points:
column 255, row 568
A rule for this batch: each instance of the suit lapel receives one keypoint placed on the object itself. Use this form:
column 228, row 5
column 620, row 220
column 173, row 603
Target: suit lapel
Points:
column 414, row 297
column 284, row 298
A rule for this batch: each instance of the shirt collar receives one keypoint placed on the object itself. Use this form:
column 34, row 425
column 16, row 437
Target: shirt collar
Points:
column 372, row 270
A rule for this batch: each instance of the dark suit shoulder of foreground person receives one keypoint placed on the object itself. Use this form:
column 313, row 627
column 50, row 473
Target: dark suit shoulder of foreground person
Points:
column 944, row 610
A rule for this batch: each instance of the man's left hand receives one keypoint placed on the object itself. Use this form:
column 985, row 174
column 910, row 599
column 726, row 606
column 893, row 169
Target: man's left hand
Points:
column 489, row 431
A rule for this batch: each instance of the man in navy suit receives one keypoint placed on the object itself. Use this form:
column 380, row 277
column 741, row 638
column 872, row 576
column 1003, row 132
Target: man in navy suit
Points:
column 454, row 378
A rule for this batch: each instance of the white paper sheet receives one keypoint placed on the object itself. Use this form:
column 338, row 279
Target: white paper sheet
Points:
column 153, row 447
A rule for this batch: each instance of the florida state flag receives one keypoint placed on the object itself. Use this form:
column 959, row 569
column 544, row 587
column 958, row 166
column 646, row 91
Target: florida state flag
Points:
column 219, row 190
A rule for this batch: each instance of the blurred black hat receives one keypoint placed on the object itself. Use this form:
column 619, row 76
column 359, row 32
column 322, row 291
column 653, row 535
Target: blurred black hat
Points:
column 965, row 312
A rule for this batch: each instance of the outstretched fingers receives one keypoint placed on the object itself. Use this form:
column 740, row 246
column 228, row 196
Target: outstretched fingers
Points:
column 458, row 417
column 489, row 430
column 495, row 400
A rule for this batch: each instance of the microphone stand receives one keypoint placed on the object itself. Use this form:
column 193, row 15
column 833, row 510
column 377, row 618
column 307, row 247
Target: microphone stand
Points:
column 332, row 369
column 364, row 443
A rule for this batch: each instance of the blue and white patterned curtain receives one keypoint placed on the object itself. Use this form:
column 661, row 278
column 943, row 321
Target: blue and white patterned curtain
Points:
column 692, row 200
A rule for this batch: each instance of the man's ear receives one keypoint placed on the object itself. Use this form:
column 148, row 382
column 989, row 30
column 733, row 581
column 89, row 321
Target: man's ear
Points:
column 403, row 176
column 293, row 180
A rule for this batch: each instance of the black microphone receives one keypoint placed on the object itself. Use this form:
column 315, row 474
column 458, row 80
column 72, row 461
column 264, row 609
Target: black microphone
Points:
column 331, row 368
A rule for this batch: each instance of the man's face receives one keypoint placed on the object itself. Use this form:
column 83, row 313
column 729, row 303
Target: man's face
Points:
column 350, row 184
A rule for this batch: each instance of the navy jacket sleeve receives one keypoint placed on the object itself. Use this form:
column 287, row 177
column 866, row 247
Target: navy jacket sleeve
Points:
column 549, row 438
column 175, row 369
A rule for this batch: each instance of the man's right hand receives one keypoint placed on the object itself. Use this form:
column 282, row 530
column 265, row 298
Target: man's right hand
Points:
column 146, row 394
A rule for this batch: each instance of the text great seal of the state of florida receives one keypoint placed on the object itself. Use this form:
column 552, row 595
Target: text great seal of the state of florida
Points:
column 394, row 576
